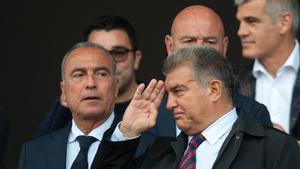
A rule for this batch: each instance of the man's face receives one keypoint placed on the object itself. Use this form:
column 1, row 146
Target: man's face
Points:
column 118, row 40
column 89, row 87
column 187, row 100
column 196, row 31
column 259, row 36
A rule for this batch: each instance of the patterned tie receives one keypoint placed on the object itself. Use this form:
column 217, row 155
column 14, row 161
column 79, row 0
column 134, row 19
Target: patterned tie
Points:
column 81, row 161
column 188, row 161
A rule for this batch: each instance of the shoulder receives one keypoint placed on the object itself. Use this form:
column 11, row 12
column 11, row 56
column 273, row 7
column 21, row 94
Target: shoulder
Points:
column 40, row 142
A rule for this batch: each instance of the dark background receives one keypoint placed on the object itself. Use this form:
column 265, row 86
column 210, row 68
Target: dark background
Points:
column 35, row 35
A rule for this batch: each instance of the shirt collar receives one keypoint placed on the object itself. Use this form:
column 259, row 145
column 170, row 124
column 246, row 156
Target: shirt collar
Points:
column 220, row 127
column 97, row 132
column 292, row 62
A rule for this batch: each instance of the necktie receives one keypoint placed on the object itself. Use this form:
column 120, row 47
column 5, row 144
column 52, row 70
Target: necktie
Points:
column 188, row 160
column 81, row 161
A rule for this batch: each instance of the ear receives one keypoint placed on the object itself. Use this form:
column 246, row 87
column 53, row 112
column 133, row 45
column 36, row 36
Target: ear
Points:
column 63, row 99
column 169, row 44
column 225, row 45
column 137, row 58
column 285, row 22
column 215, row 90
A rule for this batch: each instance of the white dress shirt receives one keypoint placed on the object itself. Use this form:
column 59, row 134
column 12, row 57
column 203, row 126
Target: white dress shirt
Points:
column 276, row 93
column 73, row 146
column 215, row 135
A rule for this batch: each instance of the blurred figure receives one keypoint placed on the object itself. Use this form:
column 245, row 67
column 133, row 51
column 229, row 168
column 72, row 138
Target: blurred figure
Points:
column 268, row 31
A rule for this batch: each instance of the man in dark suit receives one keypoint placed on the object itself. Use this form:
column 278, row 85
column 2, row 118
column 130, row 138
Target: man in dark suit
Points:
column 199, row 82
column 268, row 34
column 89, row 89
column 200, row 25
column 118, row 36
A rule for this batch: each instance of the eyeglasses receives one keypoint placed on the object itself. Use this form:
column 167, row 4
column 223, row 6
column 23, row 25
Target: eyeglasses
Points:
column 120, row 53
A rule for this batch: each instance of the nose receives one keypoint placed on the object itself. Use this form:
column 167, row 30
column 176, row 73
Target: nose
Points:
column 243, row 30
column 91, row 84
column 171, row 103
column 200, row 42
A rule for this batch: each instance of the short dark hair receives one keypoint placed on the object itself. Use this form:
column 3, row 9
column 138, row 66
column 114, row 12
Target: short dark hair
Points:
column 206, row 64
column 110, row 22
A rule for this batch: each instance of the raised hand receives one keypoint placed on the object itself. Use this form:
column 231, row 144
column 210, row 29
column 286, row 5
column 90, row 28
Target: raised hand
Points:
column 142, row 112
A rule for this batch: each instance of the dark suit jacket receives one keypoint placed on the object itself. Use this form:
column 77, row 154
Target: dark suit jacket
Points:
column 246, row 86
column 49, row 151
column 249, row 145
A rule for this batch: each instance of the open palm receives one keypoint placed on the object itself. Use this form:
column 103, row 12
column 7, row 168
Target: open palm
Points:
column 142, row 112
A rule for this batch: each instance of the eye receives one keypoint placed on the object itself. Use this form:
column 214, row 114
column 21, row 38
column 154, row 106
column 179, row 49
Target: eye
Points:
column 77, row 74
column 189, row 41
column 102, row 73
column 251, row 20
column 178, row 92
column 210, row 41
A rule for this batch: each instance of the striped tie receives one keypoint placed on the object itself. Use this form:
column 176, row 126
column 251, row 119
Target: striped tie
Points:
column 188, row 161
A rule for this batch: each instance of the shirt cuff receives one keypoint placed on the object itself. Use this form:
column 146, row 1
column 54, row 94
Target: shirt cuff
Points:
column 118, row 135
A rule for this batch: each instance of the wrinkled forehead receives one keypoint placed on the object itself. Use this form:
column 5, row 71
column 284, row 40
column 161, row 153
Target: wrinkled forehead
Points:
column 88, row 56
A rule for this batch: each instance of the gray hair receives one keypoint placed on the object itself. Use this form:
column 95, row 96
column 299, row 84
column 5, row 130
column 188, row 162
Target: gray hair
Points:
column 206, row 63
column 274, row 8
column 87, row 44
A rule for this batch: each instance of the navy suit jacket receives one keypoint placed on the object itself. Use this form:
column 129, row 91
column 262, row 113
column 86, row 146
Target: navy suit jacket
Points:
column 49, row 151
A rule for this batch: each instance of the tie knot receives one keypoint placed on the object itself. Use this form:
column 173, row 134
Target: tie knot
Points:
column 196, row 141
column 85, row 142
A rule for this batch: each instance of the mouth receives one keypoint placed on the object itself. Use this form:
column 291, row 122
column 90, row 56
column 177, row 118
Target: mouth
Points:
column 91, row 98
column 177, row 115
column 246, row 43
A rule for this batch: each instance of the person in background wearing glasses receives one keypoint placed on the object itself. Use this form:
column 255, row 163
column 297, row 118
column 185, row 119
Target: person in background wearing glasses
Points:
column 117, row 36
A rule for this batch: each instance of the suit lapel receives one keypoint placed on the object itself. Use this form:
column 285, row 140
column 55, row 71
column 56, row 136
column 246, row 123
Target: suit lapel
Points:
column 56, row 149
column 245, row 124
column 295, row 107
column 179, row 146
column 233, row 139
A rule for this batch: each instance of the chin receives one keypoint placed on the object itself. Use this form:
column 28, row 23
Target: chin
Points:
column 248, row 54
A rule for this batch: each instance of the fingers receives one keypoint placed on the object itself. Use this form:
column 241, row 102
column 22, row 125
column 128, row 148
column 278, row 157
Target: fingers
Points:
column 157, row 90
column 159, row 97
column 149, row 90
column 139, row 91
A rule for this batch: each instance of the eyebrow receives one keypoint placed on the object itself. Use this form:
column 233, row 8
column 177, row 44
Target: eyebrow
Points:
column 120, row 47
column 202, row 37
column 81, row 69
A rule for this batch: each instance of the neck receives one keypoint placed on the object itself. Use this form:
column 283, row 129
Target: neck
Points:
column 128, row 93
column 218, row 109
column 87, row 125
column 278, row 57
